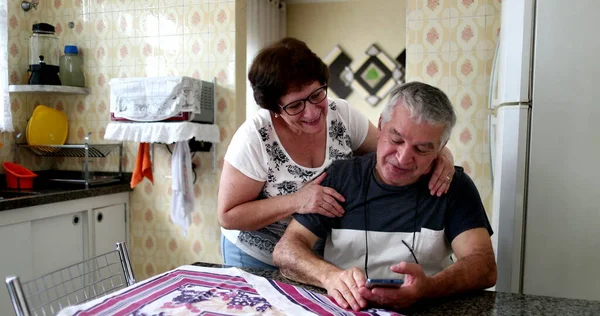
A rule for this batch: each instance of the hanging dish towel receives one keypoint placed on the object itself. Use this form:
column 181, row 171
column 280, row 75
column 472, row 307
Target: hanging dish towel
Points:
column 182, row 204
column 143, row 165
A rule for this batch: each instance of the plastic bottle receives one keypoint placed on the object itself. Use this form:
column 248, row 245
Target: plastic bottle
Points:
column 71, row 67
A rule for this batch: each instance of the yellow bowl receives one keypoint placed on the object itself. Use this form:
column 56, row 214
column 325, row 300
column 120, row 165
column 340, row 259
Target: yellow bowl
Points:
column 47, row 126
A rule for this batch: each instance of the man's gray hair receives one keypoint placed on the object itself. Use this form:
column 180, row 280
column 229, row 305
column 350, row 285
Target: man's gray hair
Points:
column 425, row 103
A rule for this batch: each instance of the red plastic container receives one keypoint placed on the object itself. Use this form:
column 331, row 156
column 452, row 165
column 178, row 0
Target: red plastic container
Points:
column 17, row 176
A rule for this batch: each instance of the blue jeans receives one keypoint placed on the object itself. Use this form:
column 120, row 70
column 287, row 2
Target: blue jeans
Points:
column 234, row 256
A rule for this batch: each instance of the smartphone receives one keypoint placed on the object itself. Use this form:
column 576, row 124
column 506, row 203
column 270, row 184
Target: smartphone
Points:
column 393, row 283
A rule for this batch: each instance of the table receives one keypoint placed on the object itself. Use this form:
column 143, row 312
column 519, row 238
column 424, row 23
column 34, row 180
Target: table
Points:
column 478, row 303
column 213, row 289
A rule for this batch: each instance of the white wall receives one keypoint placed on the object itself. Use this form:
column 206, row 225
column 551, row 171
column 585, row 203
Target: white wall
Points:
column 354, row 25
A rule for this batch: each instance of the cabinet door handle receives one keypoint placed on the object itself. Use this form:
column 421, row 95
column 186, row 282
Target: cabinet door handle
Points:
column 75, row 220
column 99, row 217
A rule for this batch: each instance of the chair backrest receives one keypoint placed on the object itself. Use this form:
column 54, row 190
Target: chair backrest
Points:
column 75, row 284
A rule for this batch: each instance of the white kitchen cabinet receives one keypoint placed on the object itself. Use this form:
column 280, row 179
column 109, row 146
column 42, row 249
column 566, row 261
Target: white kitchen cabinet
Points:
column 40, row 239
column 57, row 242
column 16, row 254
column 110, row 227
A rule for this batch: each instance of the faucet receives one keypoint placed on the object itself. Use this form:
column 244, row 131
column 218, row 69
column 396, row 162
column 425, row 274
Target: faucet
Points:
column 16, row 152
column 27, row 5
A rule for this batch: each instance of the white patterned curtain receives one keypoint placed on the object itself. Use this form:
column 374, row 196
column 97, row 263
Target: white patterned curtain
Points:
column 265, row 25
column 5, row 115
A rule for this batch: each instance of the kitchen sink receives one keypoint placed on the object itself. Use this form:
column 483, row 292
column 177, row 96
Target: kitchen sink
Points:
column 17, row 194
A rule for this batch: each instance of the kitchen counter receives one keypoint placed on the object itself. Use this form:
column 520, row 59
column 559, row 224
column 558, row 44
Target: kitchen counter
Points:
column 46, row 193
column 477, row 303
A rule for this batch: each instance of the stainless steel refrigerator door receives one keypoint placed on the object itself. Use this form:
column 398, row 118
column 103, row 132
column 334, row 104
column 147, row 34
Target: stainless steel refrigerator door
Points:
column 510, row 162
column 562, row 241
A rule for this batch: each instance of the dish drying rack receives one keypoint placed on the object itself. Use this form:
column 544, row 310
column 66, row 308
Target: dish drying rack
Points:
column 86, row 151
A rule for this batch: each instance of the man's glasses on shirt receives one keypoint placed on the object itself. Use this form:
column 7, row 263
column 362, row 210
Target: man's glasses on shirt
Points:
column 411, row 249
column 296, row 107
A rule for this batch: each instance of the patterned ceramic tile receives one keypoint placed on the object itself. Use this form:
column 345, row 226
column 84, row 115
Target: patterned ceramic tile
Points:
column 493, row 7
column 466, row 8
column 435, row 36
column 144, row 5
column 98, row 6
column 171, row 48
column 124, row 24
column 170, row 3
column 222, row 46
column 196, row 48
column 147, row 22
column 148, row 51
column 102, row 25
column 434, row 68
column 468, row 69
column 195, row 19
column 474, row 26
column 435, row 9
column 492, row 31
column 171, row 20
column 124, row 5
column 467, row 33
column 17, row 53
column 414, row 14
column 125, row 51
column 223, row 17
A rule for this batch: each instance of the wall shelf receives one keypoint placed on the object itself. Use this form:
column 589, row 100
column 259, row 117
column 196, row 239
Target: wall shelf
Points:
column 34, row 88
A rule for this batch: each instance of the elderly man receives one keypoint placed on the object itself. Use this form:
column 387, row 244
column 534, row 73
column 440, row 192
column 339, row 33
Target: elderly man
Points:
column 392, row 227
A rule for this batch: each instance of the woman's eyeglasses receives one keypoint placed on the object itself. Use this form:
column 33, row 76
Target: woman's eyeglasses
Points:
column 296, row 107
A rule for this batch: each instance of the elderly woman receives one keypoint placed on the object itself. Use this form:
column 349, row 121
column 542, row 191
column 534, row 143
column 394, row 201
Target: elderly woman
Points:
column 276, row 160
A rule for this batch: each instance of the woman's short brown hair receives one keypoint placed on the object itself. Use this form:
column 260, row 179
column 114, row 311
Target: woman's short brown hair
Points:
column 283, row 67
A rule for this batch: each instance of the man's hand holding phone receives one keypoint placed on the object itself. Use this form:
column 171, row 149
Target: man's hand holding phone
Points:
column 389, row 283
column 408, row 293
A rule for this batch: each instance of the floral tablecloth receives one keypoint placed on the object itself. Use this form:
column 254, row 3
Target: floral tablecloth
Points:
column 192, row 290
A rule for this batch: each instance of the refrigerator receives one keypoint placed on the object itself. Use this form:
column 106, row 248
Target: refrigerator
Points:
column 544, row 129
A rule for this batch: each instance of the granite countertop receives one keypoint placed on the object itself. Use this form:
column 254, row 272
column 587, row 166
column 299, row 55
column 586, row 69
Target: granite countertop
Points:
column 477, row 303
column 53, row 192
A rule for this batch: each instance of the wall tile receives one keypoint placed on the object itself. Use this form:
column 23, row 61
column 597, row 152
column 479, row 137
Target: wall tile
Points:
column 492, row 31
column 196, row 48
column 223, row 17
column 124, row 5
column 171, row 20
column 170, row 3
column 493, row 7
column 98, row 6
column 147, row 22
column 474, row 25
column 195, row 19
column 435, row 9
column 171, row 48
column 222, row 47
column 467, row 33
column 124, row 24
column 435, row 35
column 468, row 69
column 102, row 25
column 125, row 51
column 467, row 8
column 148, row 51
